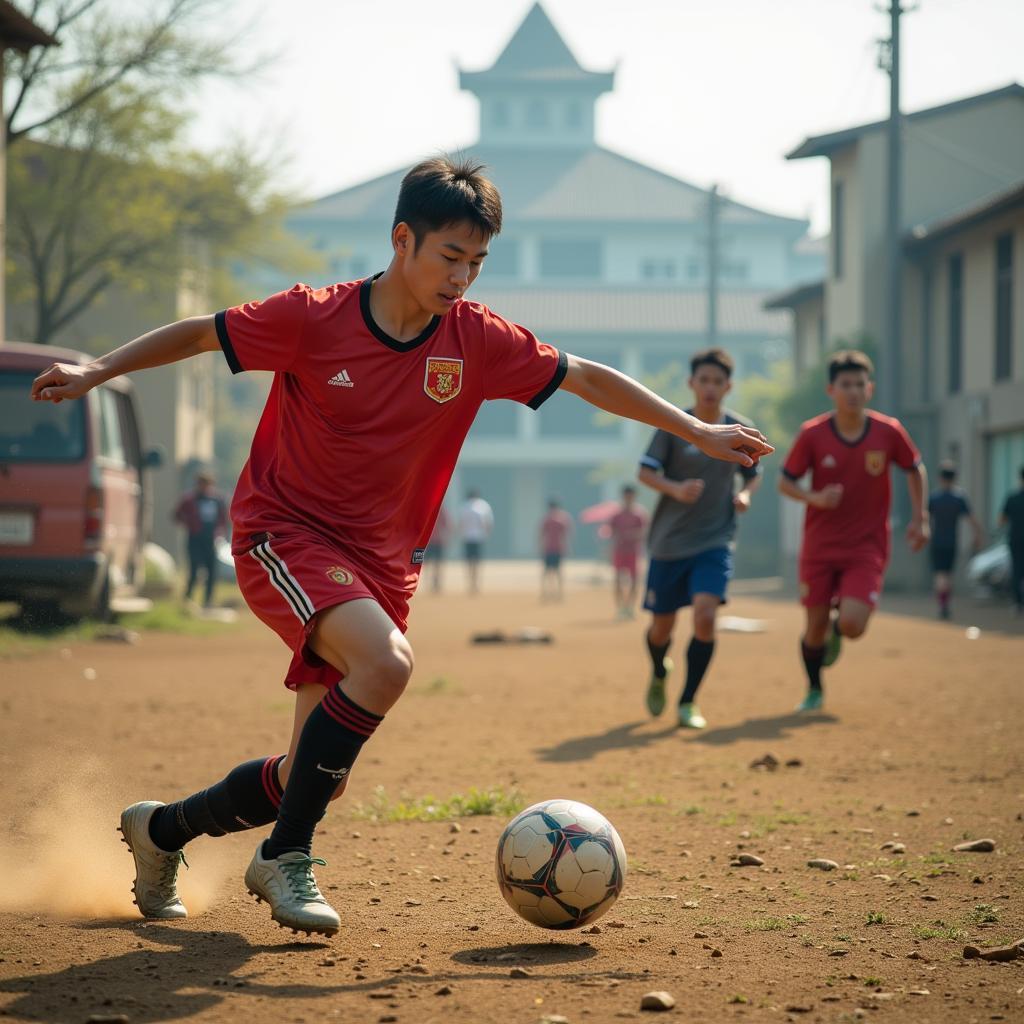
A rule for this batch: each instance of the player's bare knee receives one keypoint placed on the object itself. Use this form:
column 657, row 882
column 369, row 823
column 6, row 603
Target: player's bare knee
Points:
column 852, row 628
column 391, row 669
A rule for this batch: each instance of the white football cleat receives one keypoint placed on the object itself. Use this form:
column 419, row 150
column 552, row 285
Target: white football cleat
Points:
column 288, row 885
column 156, row 870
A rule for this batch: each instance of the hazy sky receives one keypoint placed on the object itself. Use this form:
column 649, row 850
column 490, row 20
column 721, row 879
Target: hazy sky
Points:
column 708, row 90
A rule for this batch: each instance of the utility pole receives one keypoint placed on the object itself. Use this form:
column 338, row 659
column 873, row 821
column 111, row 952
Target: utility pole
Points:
column 712, row 330
column 890, row 355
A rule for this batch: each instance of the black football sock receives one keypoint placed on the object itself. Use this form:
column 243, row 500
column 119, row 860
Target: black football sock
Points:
column 328, row 746
column 698, row 657
column 657, row 653
column 813, row 657
column 247, row 797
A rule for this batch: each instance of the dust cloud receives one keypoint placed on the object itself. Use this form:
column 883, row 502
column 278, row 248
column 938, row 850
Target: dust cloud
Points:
column 60, row 853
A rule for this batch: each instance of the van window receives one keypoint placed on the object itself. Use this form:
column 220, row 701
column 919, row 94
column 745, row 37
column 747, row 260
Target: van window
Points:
column 37, row 431
column 129, row 430
column 111, row 443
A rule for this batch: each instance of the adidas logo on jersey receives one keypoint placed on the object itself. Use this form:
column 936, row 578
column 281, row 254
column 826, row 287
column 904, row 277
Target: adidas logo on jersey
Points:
column 342, row 380
column 828, row 462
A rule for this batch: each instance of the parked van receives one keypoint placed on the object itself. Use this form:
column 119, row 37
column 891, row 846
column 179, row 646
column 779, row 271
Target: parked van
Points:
column 74, row 501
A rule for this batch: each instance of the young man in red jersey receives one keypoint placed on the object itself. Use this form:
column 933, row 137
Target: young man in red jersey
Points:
column 846, row 538
column 376, row 384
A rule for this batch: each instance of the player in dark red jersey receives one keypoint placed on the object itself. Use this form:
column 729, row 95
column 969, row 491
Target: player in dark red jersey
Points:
column 376, row 385
column 846, row 539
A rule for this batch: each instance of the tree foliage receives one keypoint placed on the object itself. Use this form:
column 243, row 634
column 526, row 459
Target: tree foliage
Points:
column 106, row 192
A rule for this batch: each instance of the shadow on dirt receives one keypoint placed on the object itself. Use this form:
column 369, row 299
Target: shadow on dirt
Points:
column 197, row 972
column 626, row 737
column 540, row 953
column 776, row 727
column 622, row 737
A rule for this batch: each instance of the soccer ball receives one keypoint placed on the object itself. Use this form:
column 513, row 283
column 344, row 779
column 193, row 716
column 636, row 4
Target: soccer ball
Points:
column 560, row 864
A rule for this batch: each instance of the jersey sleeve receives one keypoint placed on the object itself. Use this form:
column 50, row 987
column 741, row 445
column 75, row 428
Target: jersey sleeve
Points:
column 657, row 454
column 518, row 366
column 798, row 461
column 902, row 450
column 265, row 335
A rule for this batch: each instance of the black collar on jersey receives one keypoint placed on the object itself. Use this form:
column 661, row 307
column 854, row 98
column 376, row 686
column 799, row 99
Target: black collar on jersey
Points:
column 847, row 441
column 379, row 333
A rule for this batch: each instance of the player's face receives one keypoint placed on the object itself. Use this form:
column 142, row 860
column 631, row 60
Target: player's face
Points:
column 441, row 268
column 710, row 384
column 851, row 391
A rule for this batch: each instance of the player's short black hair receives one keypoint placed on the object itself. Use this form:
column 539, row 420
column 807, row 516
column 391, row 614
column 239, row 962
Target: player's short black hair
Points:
column 447, row 190
column 712, row 357
column 849, row 359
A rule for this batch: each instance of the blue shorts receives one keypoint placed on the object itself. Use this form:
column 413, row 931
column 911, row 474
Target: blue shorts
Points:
column 671, row 583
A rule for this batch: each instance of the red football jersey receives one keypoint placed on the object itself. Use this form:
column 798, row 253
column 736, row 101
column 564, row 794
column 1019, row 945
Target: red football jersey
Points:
column 861, row 520
column 361, row 432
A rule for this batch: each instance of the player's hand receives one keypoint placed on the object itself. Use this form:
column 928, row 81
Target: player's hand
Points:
column 828, row 497
column 62, row 380
column 688, row 491
column 741, row 501
column 733, row 442
column 918, row 534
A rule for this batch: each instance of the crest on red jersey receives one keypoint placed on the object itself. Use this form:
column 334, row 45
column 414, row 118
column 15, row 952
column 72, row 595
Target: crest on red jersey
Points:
column 443, row 378
column 874, row 462
column 339, row 575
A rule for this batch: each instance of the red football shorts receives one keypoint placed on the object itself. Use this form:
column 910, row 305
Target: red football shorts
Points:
column 625, row 561
column 287, row 580
column 828, row 582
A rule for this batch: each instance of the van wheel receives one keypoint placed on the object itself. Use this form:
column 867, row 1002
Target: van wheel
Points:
column 41, row 616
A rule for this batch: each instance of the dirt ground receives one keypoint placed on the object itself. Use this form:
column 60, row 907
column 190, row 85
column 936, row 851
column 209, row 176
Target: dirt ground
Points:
column 921, row 744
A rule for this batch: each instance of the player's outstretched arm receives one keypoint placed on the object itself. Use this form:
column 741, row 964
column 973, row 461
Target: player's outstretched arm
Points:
column 918, row 529
column 168, row 344
column 828, row 497
column 616, row 393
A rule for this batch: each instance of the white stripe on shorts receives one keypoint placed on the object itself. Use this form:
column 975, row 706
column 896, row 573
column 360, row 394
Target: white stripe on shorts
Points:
column 283, row 581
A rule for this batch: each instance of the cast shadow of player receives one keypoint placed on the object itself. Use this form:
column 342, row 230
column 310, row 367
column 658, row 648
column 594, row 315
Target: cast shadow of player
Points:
column 145, row 984
column 774, row 727
column 630, row 736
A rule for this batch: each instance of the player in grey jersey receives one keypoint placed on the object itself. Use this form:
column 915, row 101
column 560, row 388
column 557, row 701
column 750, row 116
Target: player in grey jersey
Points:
column 691, row 535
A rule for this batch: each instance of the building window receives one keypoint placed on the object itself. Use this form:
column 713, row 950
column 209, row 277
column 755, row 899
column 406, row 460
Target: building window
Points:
column 536, row 114
column 837, row 230
column 576, row 258
column 955, row 269
column 502, row 258
column 658, row 270
column 1004, row 307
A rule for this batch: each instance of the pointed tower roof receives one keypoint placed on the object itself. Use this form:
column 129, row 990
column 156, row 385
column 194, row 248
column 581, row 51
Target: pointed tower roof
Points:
column 536, row 54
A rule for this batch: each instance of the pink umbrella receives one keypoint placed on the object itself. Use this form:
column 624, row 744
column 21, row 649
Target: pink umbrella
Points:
column 600, row 513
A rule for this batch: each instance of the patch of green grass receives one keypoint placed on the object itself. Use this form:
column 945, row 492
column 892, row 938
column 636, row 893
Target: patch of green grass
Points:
column 440, row 686
column 473, row 802
column 939, row 930
column 169, row 617
column 691, row 809
column 708, row 920
column 873, row 982
column 845, row 938
column 766, row 924
column 876, row 917
column 851, row 876
column 797, row 918
column 737, row 999
column 650, row 800
column 727, row 820
column 984, row 913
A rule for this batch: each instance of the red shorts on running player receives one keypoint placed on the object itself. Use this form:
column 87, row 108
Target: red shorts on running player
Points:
column 826, row 582
column 625, row 561
column 286, row 580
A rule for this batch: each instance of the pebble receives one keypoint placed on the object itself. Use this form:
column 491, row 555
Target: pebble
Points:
column 797, row 1008
column 894, row 847
column 592, row 930
column 919, row 992
column 700, row 935
column 444, row 990
column 839, row 952
column 716, row 953
column 1000, row 954
column 916, row 954
column 328, row 961
column 976, row 846
column 554, row 1018
column 913, row 814
column 454, row 827
column 657, row 1001
column 822, row 865
column 794, row 762
column 519, row 972
column 768, row 762
column 930, row 898
column 617, row 924
column 749, row 860
column 388, row 1018
column 413, row 903
column 89, row 673
column 882, row 878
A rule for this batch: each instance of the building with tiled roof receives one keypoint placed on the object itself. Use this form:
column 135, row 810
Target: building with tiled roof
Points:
column 600, row 254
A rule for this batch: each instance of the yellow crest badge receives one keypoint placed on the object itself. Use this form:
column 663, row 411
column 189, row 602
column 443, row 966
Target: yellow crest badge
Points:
column 874, row 462
column 442, row 380
column 339, row 575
